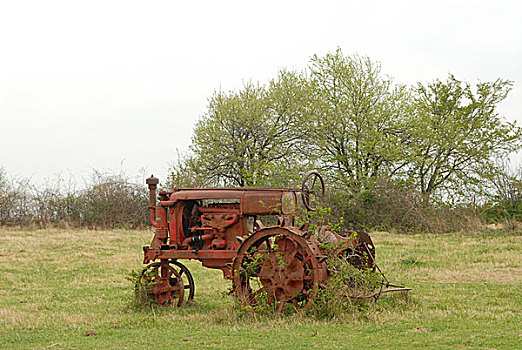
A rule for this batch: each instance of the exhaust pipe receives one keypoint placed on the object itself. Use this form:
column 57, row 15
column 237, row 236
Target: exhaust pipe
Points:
column 152, row 182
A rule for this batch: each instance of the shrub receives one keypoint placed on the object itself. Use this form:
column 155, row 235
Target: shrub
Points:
column 111, row 200
column 396, row 205
column 506, row 203
column 107, row 200
column 346, row 281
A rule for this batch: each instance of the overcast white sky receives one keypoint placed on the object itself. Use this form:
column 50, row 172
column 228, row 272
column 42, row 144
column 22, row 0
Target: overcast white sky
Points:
column 89, row 84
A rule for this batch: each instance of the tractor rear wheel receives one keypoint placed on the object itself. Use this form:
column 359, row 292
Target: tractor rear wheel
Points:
column 276, row 264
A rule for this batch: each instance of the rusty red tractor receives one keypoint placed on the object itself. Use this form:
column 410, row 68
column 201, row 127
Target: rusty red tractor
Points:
column 223, row 228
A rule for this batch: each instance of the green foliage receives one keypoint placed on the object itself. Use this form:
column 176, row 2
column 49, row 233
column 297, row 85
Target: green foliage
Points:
column 409, row 262
column 143, row 283
column 396, row 205
column 324, row 215
column 502, row 211
column 345, row 282
column 334, row 299
column 342, row 115
column 253, row 262
column 506, row 203
column 253, row 136
column 458, row 134
column 185, row 172
column 360, row 119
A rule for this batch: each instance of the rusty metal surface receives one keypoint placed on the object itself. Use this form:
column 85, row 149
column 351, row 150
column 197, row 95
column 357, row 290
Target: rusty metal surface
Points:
column 163, row 283
column 262, row 201
column 288, row 269
column 221, row 228
column 312, row 190
column 379, row 292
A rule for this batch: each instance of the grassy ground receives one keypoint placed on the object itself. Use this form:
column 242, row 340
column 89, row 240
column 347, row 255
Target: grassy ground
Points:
column 56, row 285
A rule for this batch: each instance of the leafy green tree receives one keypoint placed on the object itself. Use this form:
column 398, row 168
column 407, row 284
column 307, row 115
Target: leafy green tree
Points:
column 359, row 120
column 458, row 134
column 253, row 136
column 185, row 172
column 344, row 116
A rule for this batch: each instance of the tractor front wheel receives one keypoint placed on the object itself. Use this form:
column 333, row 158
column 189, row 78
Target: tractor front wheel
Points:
column 162, row 283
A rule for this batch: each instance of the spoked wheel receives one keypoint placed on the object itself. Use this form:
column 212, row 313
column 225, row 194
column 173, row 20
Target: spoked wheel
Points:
column 359, row 252
column 186, row 276
column 276, row 264
column 163, row 283
column 312, row 190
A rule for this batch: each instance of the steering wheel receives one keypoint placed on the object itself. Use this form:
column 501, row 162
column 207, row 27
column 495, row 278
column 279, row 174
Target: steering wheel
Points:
column 312, row 190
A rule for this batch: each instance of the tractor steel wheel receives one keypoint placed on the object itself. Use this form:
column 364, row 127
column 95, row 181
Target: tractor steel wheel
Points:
column 312, row 190
column 163, row 283
column 277, row 264
column 360, row 252
column 186, row 276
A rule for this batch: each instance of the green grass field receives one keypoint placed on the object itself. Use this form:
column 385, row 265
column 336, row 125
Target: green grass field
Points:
column 56, row 285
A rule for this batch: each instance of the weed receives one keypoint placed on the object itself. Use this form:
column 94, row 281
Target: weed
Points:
column 411, row 262
column 143, row 283
column 346, row 282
